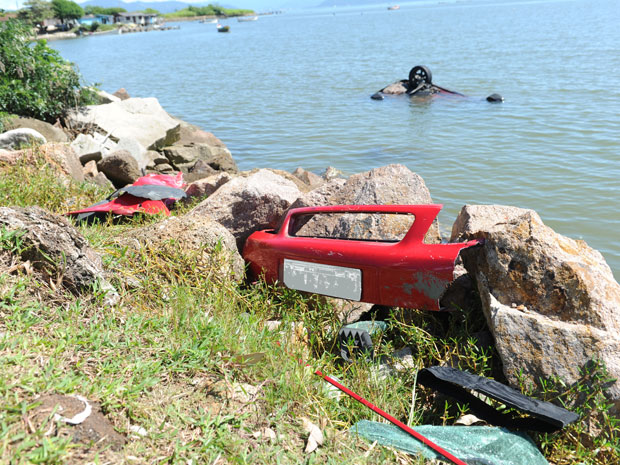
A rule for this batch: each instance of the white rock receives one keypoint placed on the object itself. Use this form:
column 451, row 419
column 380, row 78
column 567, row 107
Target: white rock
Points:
column 141, row 118
column 22, row 137
column 86, row 148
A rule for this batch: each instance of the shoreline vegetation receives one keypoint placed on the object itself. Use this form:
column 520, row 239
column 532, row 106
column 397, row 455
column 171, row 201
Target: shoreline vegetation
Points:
column 69, row 18
column 189, row 365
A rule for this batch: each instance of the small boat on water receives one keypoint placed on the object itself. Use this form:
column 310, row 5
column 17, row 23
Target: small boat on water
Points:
column 209, row 21
column 394, row 7
column 243, row 19
column 221, row 28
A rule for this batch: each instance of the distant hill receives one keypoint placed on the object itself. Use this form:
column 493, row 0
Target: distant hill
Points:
column 162, row 7
column 355, row 2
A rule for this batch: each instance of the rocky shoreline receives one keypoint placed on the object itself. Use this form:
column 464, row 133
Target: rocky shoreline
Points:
column 551, row 303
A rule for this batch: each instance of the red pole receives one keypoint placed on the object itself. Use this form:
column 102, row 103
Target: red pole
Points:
column 391, row 419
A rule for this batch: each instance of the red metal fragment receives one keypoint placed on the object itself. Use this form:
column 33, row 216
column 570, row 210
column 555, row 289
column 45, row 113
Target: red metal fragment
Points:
column 408, row 273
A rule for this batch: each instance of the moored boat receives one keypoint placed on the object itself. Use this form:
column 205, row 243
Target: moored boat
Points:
column 243, row 19
column 394, row 7
column 221, row 28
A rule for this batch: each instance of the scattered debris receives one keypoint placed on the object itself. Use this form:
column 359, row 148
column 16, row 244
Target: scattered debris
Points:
column 139, row 430
column 79, row 417
column 315, row 436
column 151, row 194
column 391, row 419
column 545, row 417
column 356, row 338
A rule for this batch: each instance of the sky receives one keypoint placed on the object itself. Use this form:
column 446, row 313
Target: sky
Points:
column 257, row 5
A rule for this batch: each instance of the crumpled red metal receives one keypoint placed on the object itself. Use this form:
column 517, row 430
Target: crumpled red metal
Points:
column 407, row 273
column 127, row 204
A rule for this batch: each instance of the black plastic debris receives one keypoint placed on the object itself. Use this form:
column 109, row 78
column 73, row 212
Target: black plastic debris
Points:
column 544, row 416
column 356, row 338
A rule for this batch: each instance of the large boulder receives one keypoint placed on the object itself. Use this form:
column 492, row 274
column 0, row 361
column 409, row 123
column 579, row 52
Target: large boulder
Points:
column 206, row 186
column 214, row 245
column 16, row 139
column 551, row 302
column 137, row 151
column 388, row 185
column 51, row 133
column 140, row 118
column 190, row 134
column 184, row 158
column 60, row 157
column 120, row 167
column 54, row 247
column 247, row 204
column 196, row 148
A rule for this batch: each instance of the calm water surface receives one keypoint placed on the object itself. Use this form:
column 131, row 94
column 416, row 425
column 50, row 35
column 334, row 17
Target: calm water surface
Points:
column 293, row 90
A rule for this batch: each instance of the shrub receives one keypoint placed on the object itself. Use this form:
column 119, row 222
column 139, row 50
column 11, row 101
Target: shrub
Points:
column 36, row 81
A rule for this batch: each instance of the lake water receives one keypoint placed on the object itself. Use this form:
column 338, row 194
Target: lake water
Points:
column 293, row 90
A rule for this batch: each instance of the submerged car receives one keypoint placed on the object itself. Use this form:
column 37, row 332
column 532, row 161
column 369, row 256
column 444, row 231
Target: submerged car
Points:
column 420, row 84
column 403, row 272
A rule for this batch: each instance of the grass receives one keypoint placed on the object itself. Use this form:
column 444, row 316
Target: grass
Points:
column 191, row 359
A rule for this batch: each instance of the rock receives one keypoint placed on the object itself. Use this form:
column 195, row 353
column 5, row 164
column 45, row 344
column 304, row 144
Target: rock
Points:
column 106, row 144
column 154, row 158
column 60, row 157
column 301, row 185
column 197, row 233
column 140, row 118
column 122, row 94
column 55, row 247
column 90, row 170
column 104, row 97
column 566, row 302
column 164, row 168
column 92, row 174
column 65, row 157
column 184, row 157
column 309, row 178
column 136, row 150
column 331, row 173
column 247, row 204
column 101, row 180
column 387, row 185
column 49, row 132
column 16, row 139
column 207, row 186
column 348, row 311
column 192, row 135
column 199, row 170
column 120, row 167
column 86, row 148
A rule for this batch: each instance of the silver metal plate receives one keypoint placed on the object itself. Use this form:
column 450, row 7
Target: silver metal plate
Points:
column 334, row 281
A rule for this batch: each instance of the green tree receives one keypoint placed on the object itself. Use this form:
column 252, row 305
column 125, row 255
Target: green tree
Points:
column 94, row 10
column 35, row 80
column 150, row 11
column 67, row 10
column 35, row 11
column 114, row 11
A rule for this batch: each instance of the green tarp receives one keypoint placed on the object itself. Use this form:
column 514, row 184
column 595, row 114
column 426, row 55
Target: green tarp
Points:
column 475, row 445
